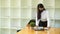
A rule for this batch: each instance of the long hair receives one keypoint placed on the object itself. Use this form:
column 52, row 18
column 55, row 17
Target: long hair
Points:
column 39, row 11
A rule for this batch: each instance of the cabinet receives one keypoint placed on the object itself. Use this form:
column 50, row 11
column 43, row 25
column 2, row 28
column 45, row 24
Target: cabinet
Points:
column 10, row 16
column 57, row 14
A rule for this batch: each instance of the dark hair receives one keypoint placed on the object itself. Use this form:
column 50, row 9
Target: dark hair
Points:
column 38, row 11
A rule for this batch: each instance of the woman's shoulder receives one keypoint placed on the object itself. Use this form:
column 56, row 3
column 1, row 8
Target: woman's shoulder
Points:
column 45, row 11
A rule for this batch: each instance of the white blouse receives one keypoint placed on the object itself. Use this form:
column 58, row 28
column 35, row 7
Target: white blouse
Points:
column 44, row 17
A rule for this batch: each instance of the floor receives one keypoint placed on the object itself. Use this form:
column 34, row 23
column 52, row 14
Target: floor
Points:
column 28, row 30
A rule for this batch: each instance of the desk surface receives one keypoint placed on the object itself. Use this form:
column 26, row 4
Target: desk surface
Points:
column 28, row 30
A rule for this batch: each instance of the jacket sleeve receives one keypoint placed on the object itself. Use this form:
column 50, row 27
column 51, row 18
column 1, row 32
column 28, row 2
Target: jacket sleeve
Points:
column 48, row 19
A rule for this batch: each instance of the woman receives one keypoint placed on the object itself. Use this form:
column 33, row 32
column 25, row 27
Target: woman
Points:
column 42, row 16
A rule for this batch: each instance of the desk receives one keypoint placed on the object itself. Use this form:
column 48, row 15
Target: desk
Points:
column 28, row 30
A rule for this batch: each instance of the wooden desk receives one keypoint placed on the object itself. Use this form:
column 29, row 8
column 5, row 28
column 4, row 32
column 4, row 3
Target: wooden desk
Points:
column 28, row 30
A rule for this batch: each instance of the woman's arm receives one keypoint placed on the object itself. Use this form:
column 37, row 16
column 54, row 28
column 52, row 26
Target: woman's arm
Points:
column 48, row 19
